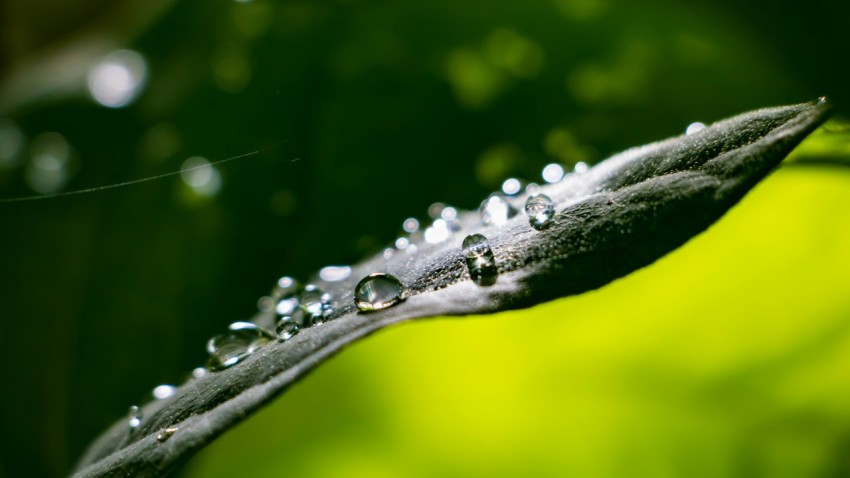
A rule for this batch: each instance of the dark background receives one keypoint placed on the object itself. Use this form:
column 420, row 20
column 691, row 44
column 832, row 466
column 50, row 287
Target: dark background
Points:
column 365, row 113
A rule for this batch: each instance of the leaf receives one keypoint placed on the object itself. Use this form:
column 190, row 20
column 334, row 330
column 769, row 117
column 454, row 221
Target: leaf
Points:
column 621, row 215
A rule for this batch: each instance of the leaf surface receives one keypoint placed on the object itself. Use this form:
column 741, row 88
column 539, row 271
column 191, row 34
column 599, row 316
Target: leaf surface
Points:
column 619, row 216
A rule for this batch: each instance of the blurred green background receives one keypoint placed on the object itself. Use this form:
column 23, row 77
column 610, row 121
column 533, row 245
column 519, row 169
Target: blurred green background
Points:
column 729, row 357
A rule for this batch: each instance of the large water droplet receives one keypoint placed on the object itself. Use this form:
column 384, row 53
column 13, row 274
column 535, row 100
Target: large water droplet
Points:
column 286, row 328
column 540, row 211
column 135, row 416
column 228, row 349
column 378, row 291
column 316, row 305
column 480, row 260
column 496, row 210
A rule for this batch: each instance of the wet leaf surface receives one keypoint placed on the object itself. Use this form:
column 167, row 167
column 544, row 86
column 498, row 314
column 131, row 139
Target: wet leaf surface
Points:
column 619, row 216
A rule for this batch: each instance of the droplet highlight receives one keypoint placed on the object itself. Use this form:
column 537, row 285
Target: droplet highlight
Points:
column 241, row 340
column 161, row 392
column 166, row 433
column 480, row 260
column 135, row 416
column 496, row 210
column 540, row 211
column 379, row 291
column 286, row 329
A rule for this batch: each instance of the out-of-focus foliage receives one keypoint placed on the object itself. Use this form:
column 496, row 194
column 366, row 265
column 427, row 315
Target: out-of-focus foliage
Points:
column 389, row 107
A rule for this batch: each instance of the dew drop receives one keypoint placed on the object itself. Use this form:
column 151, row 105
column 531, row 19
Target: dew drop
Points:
column 410, row 225
column 166, row 433
column 378, row 291
column 286, row 287
column 448, row 213
column 480, row 260
column 286, row 328
column 241, row 340
column 435, row 209
column 388, row 252
column 164, row 391
column 199, row 372
column 511, row 186
column 287, row 306
column 540, row 211
column 335, row 273
column 135, row 416
column 402, row 243
column 315, row 304
column 496, row 210
column 438, row 231
column 553, row 173
column 265, row 303
column 581, row 167
column 694, row 127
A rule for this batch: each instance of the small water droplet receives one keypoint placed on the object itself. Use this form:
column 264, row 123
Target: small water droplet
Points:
column 532, row 188
column 540, row 211
column 286, row 328
column 402, row 243
column 480, row 260
column 496, row 210
column 439, row 231
column 694, row 127
column 334, row 273
column 161, row 392
column 265, row 303
column 553, row 173
column 435, row 209
column 511, row 186
column 378, row 291
column 241, row 340
column 286, row 287
column 166, row 433
column 448, row 213
column 316, row 305
column 199, row 372
column 581, row 167
column 135, row 416
column 287, row 306
column 410, row 225
column 388, row 252
column 411, row 249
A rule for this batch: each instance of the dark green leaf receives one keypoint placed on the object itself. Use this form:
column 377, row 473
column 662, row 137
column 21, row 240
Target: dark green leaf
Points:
column 621, row 215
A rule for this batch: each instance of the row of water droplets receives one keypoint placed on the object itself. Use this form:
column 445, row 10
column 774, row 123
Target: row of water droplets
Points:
column 297, row 307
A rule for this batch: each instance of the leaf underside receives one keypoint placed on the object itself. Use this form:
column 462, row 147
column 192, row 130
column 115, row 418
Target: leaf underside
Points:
column 619, row 216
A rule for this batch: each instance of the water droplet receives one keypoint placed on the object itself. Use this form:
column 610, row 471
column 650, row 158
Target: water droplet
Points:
column 286, row 287
column 241, row 340
column 265, row 304
column 199, row 372
column 496, row 210
column 694, row 127
column 402, row 243
column 287, row 306
column 335, row 273
column 553, row 173
column 540, row 211
column 378, row 291
column 581, row 167
column 388, row 252
column 439, row 231
column 448, row 213
column 410, row 225
column 532, row 188
column 164, row 391
column 135, row 416
column 480, row 260
column 166, row 434
column 286, row 328
column 316, row 305
column 511, row 186
column 435, row 209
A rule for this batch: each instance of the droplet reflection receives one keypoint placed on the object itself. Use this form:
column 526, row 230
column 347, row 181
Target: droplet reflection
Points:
column 378, row 291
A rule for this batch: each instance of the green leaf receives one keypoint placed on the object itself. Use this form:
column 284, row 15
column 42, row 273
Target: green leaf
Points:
column 623, row 214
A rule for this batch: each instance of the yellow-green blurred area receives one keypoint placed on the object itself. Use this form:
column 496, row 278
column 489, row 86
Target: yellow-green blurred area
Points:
column 728, row 357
